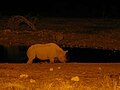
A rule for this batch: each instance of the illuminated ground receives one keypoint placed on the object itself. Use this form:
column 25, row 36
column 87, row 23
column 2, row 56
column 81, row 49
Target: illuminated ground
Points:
column 59, row 76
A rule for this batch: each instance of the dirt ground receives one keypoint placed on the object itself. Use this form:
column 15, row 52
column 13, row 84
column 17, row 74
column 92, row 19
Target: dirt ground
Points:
column 59, row 76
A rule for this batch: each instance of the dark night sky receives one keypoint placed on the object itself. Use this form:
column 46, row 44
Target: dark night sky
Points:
column 84, row 8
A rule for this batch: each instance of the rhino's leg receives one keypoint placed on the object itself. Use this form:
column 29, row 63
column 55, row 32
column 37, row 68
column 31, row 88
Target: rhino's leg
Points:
column 29, row 61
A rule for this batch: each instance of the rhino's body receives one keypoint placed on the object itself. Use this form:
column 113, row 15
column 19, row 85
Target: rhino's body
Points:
column 46, row 51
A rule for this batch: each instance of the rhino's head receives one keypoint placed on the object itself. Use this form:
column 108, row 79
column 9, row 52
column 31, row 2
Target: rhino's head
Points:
column 62, row 56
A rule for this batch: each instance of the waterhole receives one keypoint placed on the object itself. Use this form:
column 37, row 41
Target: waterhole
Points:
column 17, row 54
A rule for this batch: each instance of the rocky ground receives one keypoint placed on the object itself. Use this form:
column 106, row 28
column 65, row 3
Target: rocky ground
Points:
column 58, row 76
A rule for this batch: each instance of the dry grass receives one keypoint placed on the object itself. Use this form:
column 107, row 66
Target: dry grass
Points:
column 14, row 23
column 67, row 77
column 61, row 84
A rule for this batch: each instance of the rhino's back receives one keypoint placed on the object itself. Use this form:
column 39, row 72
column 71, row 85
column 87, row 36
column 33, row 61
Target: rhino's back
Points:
column 47, row 46
column 51, row 48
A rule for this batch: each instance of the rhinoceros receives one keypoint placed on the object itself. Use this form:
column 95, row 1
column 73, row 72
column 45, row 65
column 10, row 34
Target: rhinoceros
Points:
column 48, row 51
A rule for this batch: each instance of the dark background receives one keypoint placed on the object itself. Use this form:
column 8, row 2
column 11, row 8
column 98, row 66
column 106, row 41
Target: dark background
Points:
column 59, row 8
column 50, row 8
